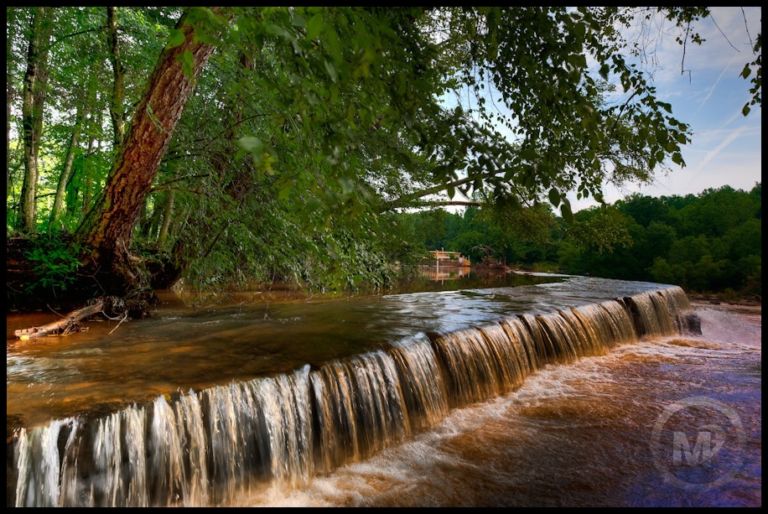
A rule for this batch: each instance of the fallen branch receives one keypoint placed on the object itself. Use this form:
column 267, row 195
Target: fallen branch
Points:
column 63, row 326
column 125, row 317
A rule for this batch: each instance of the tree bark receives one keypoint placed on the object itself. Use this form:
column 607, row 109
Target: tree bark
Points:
column 108, row 227
column 118, row 86
column 35, row 81
column 66, row 172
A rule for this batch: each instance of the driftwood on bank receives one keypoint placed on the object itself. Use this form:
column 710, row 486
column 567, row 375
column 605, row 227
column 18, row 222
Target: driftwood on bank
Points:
column 64, row 326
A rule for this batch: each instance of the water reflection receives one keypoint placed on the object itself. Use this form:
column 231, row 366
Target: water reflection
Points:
column 441, row 274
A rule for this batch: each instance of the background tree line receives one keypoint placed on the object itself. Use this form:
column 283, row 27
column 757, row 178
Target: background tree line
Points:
column 710, row 242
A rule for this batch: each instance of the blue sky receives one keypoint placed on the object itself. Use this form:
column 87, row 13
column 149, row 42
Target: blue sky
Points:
column 725, row 147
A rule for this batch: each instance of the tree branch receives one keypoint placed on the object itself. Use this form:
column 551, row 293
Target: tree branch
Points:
column 400, row 202
column 621, row 110
column 163, row 184
column 444, row 203
column 62, row 38
column 723, row 33
column 222, row 132
column 64, row 326
column 682, row 62
column 744, row 15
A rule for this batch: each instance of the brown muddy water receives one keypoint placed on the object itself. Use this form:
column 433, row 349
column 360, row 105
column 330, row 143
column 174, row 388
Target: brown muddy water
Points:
column 573, row 399
column 237, row 336
column 575, row 435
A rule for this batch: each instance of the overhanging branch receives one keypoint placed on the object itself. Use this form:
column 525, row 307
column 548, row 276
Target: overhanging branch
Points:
column 407, row 200
column 73, row 34
column 445, row 203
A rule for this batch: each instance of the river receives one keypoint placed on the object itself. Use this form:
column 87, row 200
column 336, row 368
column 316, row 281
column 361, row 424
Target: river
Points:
column 442, row 415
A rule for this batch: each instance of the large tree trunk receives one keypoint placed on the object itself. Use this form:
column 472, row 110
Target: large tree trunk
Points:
column 118, row 86
column 107, row 228
column 66, row 172
column 35, row 81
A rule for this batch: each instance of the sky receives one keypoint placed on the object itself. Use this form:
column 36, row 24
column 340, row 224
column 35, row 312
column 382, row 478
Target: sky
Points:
column 725, row 147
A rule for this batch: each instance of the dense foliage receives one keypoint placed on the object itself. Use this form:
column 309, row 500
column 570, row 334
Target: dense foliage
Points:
column 706, row 242
column 309, row 129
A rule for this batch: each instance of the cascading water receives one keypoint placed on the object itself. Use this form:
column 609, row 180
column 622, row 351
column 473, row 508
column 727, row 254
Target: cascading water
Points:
column 206, row 447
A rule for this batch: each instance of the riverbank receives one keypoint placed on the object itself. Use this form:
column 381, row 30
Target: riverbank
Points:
column 726, row 299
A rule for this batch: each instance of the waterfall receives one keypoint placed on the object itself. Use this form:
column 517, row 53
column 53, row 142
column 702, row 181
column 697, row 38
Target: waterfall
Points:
column 207, row 447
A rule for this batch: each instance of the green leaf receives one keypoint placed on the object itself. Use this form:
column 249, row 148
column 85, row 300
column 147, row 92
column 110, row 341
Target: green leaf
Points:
column 314, row 26
column 746, row 71
column 745, row 110
column 250, row 144
column 554, row 197
column 176, row 38
column 599, row 196
column 579, row 30
column 284, row 192
column 565, row 210
column 332, row 45
column 331, row 70
column 604, row 71
column 578, row 60
column 625, row 83
column 277, row 30
column 528, row 153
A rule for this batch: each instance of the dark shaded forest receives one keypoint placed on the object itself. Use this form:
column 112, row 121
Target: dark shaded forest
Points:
column 710, row 242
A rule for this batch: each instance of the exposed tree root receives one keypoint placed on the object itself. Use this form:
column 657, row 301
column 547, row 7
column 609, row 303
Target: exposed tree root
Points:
column 124, row 275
